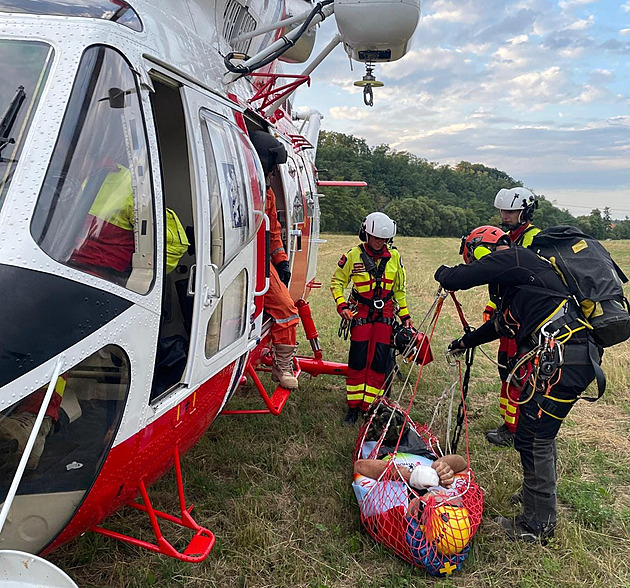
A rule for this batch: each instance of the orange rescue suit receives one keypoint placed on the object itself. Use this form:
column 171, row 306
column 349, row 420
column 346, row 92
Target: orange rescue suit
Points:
column 277, row 301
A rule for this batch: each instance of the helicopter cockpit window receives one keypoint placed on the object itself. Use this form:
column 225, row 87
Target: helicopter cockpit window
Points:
column 25, row 66
column 79, row 425
column 235, row 192
column 95, row 208
column 115, row 10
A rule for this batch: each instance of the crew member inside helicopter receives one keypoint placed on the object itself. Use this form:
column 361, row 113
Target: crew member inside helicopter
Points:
column 277, row 301
column 379, row 292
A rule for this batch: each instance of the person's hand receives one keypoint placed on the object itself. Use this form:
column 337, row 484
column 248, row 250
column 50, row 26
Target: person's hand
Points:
column 346, row 314
column 283, row 272
column 344, row 311
column 456, row 345
column 488, row 313
column 407, row 322
column 445, row 473
column 439, row 271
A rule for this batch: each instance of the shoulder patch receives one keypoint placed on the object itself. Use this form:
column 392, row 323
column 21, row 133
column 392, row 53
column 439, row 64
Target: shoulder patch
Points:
column 342, row 261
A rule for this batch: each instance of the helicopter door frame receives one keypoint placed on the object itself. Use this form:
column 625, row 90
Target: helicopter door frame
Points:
column 223, row 292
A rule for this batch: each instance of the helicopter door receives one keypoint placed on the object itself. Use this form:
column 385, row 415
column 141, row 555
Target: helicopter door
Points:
column 230, row 197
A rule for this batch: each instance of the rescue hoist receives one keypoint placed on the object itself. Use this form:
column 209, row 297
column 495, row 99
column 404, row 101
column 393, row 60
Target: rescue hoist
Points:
column 368, row 82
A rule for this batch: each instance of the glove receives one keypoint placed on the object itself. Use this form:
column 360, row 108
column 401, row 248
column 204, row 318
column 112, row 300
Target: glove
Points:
column 488, row 313
column 456, row 345
column 439, row 270
column 406, row 321
column 283, row 272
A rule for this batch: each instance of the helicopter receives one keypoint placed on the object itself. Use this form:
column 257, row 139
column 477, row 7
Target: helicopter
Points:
column 117, row 355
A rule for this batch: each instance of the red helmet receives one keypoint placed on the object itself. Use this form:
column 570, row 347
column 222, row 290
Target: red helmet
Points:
column 481, row 241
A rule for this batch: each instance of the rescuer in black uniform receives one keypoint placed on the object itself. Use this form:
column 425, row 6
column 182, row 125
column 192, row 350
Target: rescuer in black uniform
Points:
column 531, row 298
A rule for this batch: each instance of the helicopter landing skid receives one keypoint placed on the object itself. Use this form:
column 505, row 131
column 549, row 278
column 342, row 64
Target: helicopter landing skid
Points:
column 202, row 541
column 275, row 403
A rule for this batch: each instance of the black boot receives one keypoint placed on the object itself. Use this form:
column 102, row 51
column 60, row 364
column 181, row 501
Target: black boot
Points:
column 351, row 417
column 502, row 437
column 518, row 530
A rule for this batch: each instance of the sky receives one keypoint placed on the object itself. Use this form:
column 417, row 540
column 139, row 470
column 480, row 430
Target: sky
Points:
column 539, row 89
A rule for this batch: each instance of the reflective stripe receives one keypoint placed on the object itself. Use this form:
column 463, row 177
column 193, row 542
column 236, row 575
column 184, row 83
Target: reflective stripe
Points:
column 354, row 396
column 278, row 250
column 293, row 317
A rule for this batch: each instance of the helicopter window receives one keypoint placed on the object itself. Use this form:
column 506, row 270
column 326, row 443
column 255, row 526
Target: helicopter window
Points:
column 25, row 67
column 115, row 10
column 234, row 191
column 293, row 186
column 77, row 431
column 95, row 208
column 227, row 323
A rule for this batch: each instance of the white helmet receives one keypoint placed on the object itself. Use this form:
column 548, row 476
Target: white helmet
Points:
column 517, row 199
column 379, row 225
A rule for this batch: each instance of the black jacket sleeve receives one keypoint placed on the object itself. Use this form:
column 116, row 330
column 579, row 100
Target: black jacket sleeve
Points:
column 497, row 267
column 484, row 334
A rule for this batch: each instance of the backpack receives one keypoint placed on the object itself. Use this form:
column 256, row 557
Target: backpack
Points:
column 592, row 277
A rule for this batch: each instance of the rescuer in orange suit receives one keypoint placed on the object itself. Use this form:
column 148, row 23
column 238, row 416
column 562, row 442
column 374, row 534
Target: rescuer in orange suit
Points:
column 516, row 206
column 379, row 291
column 277, row 301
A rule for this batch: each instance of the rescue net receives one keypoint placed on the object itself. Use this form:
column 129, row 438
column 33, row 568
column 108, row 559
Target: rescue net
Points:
column 402, row 501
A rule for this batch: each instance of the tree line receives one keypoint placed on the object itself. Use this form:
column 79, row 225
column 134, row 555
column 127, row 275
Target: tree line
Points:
column 427, row 199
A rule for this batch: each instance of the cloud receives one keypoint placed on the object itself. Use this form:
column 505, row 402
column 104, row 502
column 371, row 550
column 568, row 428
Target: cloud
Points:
column 582, row 24
column 570, row 4
column 533, row 87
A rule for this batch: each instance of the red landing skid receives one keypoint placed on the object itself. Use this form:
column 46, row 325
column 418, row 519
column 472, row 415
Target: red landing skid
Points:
column 314, row 366
column 202, row 541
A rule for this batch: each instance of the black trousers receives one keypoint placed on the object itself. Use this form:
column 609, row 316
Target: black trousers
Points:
column 536, row 439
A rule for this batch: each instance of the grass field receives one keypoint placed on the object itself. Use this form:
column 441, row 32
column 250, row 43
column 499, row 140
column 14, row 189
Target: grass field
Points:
column 276, row 490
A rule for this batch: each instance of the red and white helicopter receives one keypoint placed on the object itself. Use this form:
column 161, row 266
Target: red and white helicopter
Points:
column 157, row 97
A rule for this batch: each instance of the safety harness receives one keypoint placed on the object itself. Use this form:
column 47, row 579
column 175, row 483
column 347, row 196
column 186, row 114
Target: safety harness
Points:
column 543, row 363
column 376, row 304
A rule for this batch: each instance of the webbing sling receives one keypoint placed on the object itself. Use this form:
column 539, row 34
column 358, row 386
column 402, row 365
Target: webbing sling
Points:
column 376, row 271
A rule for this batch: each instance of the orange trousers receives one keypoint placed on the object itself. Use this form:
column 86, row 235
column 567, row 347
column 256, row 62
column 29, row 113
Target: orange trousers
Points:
column 279, row 304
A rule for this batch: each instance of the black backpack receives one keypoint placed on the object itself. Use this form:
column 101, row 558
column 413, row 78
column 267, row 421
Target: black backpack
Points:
column 592, row 277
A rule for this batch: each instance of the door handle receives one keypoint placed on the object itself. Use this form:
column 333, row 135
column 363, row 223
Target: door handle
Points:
column 190, row 290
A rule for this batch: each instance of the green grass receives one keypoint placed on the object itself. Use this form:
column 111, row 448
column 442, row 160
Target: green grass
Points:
column 276, row 490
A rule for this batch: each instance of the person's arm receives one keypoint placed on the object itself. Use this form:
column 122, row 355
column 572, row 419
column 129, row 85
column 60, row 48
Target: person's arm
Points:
column 399, row 289
column 497, row 267
column 374, row 468
column 277, row 254
column 339, row 282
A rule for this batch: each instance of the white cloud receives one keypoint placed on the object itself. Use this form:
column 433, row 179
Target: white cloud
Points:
column 569, row 4
column 626, row 7
column 624, row 32
column 349, row 113
column 582, row 24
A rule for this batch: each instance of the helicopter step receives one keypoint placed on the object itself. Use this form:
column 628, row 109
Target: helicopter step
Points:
column 199, row 546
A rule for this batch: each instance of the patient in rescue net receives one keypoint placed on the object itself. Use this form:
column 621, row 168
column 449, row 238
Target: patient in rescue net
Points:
column 424, row 506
